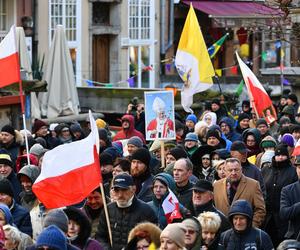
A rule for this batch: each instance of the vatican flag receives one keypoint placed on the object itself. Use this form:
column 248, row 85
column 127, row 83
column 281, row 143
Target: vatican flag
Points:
column 192, row 61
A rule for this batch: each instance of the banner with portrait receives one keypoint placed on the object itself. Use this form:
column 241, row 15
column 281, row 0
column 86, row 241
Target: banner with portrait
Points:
column 159, row 115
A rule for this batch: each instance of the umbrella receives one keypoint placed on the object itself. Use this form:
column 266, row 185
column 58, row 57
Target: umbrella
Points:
column 25, row 64
column 62, row 97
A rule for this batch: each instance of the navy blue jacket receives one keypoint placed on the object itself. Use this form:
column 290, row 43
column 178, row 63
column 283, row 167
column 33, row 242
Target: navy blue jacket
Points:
column 21, row 218
column 290, row 209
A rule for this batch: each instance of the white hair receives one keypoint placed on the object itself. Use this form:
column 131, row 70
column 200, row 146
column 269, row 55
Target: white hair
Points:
column 13, row 233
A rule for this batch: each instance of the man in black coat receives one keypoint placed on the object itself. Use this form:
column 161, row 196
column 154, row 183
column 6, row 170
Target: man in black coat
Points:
column 124, row 213
column 290, row 205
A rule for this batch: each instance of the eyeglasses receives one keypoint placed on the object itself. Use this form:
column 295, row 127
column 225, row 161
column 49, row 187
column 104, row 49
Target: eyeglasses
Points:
column 190, row 231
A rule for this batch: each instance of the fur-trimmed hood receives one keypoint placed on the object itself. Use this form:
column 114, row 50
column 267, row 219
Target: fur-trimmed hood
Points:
column 150, row 228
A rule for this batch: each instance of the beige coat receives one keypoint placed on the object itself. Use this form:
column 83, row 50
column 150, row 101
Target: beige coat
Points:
column 249, row 190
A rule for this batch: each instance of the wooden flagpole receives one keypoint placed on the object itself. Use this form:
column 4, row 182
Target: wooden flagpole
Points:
column 106, row 213
column 162, row 154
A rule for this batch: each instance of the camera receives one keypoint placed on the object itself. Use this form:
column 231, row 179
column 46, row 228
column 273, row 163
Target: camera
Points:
column 134, row 101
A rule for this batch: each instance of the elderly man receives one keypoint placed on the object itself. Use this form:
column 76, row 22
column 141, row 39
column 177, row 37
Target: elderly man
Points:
column 124, row 213
column 237, row 186
column 203, row 198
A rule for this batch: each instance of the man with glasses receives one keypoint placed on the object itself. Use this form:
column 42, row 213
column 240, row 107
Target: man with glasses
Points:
column 237, row 186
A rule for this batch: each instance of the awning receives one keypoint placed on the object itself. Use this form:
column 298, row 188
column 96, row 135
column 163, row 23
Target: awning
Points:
column 235, row 9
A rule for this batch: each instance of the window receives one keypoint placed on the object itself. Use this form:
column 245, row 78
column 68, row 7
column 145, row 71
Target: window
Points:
column 139, row 19
column 141, row 40
column 63, row 12
column 3, row 15
column 68, row 14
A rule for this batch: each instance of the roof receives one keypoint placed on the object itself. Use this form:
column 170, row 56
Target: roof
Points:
column 232, row 9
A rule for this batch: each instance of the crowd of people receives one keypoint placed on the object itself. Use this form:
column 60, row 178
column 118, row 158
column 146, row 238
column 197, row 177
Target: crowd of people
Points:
column 236, row 180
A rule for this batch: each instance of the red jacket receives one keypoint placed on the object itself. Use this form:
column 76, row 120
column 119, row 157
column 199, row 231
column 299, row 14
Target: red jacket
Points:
column 128, row 133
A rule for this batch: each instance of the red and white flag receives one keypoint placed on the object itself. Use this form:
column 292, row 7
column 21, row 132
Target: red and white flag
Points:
column 259, row 98
column 296, row 151
column 170, row 206
column 9, row 59
column 70, row 171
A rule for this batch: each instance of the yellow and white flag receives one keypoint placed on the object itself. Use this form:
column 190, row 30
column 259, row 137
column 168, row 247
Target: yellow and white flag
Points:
column 192, row 61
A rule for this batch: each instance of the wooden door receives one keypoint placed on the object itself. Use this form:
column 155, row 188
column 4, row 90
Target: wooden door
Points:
column 101, row 58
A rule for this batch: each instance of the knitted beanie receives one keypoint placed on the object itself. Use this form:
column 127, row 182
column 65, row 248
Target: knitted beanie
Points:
column 261, row 121
column 100, row 123
column 37, row 125
column 37, row 149
column 175, row 232
column 103, row 135
column 118, row 146
column 288, row 139
column 8, row 129
column 6, row 187
column 288, row 110
column 75, row 127
column 106, row 159
column 52, row 237
column 143, row 155
column 268, row 142
column 192, row 223
column 213, row 133
column 192, row 118
column 191, row 137
column 178, row 153
column 281, row 149
column 58, row 218
column 136, row 141
column 243, row 116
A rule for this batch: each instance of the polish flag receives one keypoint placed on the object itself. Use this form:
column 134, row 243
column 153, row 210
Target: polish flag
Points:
column 170, row 206
column 259, row 98
column 9, row 59
column 70, row 171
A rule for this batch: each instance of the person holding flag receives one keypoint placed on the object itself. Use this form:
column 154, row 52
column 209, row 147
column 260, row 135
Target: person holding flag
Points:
column 192, row 61
column 259, row 98
column 164, row 202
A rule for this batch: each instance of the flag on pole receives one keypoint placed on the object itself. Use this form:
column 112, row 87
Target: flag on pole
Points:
column 170, row 206
column 259, row 98
column 192, row 61
column 9, row 59
column 70, row 171
column 212, row 50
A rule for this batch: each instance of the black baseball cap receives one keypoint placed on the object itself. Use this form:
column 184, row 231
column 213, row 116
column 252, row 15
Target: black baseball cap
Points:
column 203, row 186
column 123, row 181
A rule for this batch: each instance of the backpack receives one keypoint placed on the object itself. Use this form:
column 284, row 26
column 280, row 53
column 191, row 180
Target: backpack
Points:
column 258, row 238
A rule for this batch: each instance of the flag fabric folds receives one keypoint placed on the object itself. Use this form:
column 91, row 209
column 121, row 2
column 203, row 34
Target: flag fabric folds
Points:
column 296, row 151
column 259, row 98
column 240, row 87
column 9, row 59
column 212, row 50
column 70, row 171
column 170, row 206
column 192, row 61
